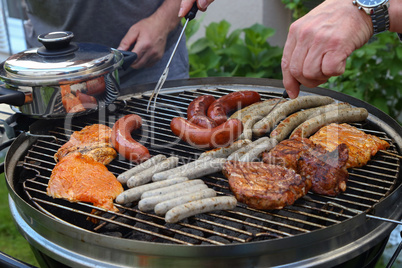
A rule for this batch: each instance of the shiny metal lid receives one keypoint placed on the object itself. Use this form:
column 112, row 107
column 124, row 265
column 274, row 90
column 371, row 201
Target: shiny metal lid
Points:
column 60, row 60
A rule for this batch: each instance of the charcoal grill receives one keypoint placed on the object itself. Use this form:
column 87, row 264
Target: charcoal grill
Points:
column 315, row 231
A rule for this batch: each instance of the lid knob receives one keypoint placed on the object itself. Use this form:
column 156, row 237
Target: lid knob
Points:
column 56, row 43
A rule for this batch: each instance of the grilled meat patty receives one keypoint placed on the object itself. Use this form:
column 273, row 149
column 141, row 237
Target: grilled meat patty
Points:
column 264, row 186
column 327, row 171
column 93, row 140
column 361, row 146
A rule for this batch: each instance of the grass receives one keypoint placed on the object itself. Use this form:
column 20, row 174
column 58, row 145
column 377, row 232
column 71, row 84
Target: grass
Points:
column 11, row 241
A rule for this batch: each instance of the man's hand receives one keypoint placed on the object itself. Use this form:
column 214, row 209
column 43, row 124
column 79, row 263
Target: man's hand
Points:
column 319, row 43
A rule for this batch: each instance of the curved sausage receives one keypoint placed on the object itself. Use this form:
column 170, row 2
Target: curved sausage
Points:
column 197, row 111
column 219, row 136
column 219, row 109
column 124, row 143
column 89, row 102
column 347, row 115
column 268, row 122
column 224, row 152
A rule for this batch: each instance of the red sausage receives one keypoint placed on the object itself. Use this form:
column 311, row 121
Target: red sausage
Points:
column 89, row 102
column 197, row 111
column 233, row 101
column 220, row 136
column 124, row 143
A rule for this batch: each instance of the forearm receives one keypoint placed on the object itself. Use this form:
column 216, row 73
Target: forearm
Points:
column 395, row 16
column 167, row 13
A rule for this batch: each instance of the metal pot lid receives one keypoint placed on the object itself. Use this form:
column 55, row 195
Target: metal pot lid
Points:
column 59, row 60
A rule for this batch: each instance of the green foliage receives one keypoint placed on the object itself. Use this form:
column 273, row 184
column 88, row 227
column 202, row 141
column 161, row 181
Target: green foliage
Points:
column 243, row 52
column 373, row 74
column 297, row 7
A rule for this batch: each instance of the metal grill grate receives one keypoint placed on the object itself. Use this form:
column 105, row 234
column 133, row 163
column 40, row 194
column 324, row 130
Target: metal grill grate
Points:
column 367, row 186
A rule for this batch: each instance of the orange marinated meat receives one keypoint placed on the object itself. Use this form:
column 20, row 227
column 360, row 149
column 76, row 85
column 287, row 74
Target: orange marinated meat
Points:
column 361, row 146
column 79, row 178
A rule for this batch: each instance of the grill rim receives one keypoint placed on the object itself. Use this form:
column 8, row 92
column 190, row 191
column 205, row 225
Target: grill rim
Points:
column 248, row 249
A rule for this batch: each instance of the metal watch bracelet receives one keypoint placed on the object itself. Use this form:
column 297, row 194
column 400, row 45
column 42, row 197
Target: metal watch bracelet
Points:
column 380, row 19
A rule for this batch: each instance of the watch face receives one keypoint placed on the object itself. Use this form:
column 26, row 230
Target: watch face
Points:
column 370, row 3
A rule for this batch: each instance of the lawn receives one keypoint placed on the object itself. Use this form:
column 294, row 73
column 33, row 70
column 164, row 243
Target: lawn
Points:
column 11, row 241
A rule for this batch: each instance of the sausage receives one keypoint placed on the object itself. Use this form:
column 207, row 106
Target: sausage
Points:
column 224, row 152
column 347, row 115
column 219, row 109
column 197, row 111
column 96, row 86
column 200, row 206
column 171, row 188
column 268, row 122
column 255, row 153
column 240, row 152
column 123, row 177
column 167, row 173
column 284, row 128
column 135, row 193
column 202, row 169
column 199, row 137
column 145, row 176
column 149, row 203
column 162, row 207
column 124, row 143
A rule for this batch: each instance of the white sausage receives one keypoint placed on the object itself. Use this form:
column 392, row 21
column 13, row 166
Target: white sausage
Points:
column 347, row 115
column 239, row 153
column 135, row 193
column 149, row 203
column 165, row 174
column 145, row 176
column 267, row 123
column 163, row 207
column 123, row 177
column 171, row 188
column 255, row 153
column 294, row 120
column 200, row 206
column 204, row 168
column 224, row 152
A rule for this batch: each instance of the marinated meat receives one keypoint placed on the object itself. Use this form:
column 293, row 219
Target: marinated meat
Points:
column 264, row 186
column 361, row 146
column 327, row 171
column 79, row 177
column 287, row 152
column 93, row 140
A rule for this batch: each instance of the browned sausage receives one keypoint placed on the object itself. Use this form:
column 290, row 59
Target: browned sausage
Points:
column 89, row 102
column 124, row 143
column 219, row 136
column 219, row 109
column 197, row 111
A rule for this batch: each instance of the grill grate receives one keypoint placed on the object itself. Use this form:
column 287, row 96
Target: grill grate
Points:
column 366, row 186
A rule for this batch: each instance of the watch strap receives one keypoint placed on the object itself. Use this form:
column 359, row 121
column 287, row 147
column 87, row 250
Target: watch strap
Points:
column 380, row 18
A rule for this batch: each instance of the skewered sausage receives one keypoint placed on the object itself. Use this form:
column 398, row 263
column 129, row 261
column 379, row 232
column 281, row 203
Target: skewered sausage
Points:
column 224, row 152
column 167, row 173
column 197, row 136
column 171, row 188
column 219, row 109
column 347, row 115
column 202, row 169
column 200, row 206
column 268, row 122
column 124, row 143
column 240, row 152
column 197, row 111
column 257, row 150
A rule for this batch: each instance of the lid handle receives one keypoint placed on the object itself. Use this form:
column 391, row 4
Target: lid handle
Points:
column 56, row 43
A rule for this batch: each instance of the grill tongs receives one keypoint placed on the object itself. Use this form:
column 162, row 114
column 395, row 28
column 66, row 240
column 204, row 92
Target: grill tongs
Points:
column 190, row 15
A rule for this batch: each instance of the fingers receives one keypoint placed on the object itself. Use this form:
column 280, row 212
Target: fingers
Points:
column 186, row 5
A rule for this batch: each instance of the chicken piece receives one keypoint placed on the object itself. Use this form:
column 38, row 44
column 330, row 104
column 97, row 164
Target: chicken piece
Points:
column 264, row 186
column 287, row 152
column 79, row 177
column 327, row 171
column 361, row 146
column 93, row 140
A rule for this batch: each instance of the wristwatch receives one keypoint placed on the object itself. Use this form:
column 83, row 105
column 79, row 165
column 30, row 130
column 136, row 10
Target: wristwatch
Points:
column 378, row 10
